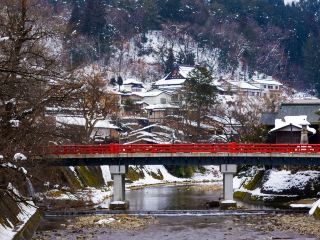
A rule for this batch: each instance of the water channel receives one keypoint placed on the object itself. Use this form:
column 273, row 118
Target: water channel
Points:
column 179, row 197
column 175, row 197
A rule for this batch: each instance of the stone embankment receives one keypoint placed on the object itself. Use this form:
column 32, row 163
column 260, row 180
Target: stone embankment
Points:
column 18, row 219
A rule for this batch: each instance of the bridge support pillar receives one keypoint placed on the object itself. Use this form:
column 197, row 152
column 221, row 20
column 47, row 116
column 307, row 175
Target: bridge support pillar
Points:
column 228, row 170
column 119, row 197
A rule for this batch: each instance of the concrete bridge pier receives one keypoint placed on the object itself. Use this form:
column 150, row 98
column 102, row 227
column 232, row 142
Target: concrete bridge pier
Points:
column 228, row 170
column 119, row 197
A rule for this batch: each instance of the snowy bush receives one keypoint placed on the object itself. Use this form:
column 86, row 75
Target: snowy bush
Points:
column 19, row 157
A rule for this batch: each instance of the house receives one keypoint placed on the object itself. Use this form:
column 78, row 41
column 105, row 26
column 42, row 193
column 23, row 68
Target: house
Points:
column 132, row 85
column 175, row 79
column 267, row 84
column 103, row 131
column 158, row 112
column 306, row 107
column 155, row 96
column 242, row 88
column 130, row 96
column 291, row 129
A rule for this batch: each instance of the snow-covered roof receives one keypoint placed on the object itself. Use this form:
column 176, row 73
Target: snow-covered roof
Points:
column 170, row 82
column 80, row 121
column 131, row 81
column 141, row 102
column 184, row 70
column 243, row 85
column 267, row 81
column 296, row 121
column 152, row 93
column 160, row 106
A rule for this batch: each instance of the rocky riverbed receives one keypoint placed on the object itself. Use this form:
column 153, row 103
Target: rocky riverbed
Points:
column 300, row 223
column 182, row 227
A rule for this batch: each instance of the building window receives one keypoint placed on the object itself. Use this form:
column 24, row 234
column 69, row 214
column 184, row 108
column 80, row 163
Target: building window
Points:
column 163, row 100
column 276, row 87
column 136, row 89
column 150, row 113
column 270, row 87
column 265, row 86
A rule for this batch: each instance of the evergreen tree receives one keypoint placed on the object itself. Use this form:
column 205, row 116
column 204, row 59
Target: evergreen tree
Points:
column 113, row 81
column 199, row 95
column 169, row 64
column 119, row 82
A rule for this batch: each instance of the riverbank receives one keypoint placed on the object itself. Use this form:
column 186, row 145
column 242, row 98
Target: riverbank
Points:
column 181, row 227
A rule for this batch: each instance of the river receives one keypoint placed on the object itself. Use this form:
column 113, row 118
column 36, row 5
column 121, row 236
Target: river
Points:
column 176, row 197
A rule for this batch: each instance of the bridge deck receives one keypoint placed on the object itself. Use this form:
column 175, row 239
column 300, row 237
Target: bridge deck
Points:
column 184, row 154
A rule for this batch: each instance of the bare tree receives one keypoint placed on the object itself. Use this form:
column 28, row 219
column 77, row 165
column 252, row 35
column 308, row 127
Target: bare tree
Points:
column 94, row 100
column 31, row 73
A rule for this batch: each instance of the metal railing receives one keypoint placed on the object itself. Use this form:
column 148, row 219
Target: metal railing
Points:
column 181, row 148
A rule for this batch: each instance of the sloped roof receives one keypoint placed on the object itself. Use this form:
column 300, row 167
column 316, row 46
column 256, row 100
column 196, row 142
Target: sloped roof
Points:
column 301, row 108
column 132, row 81
column 296, row 121
column 152, row 93
column 80, row 121
column 268, row 81
column 243, row 85
column 308, row 107
column 184, row 70
column 170, row 82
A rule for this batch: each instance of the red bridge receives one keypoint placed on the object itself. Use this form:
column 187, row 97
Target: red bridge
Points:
column 119, row 156
column 193, row 154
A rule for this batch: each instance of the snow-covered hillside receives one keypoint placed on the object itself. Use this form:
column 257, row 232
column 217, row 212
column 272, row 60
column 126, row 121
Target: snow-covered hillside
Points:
column 142, row 55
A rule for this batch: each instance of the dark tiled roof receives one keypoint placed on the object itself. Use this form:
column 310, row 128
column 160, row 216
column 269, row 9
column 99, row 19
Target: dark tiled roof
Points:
column 295, row 109
column 303, row 107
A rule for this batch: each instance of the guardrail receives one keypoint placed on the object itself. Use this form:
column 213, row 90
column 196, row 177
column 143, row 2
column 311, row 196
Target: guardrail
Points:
column 181, row 148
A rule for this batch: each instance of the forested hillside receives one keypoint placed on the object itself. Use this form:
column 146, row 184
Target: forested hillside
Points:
column 264, row 35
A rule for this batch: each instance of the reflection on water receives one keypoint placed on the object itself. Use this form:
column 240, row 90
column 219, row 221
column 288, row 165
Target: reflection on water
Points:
column 177, row 197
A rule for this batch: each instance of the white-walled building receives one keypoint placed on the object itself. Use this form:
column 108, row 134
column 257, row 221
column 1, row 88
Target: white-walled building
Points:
column 244, row 88
column 132, row 85
column 267, row 84
column 155, row 96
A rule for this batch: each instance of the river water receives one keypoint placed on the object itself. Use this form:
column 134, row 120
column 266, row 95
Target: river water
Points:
column 177, row 197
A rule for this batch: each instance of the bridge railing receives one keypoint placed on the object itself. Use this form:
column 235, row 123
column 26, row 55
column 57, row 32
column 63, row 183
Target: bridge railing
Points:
column 181, row 148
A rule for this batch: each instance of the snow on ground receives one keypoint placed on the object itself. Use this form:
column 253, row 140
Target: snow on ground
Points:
column 106, row 173
column 237, row 182
column 277, row 182
column 212, row 174
column 314, row 207
column 19, row 157
column 94, row 195
column 281, row 180
column 26, row 211
column 142, row 59
column 105, row 221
